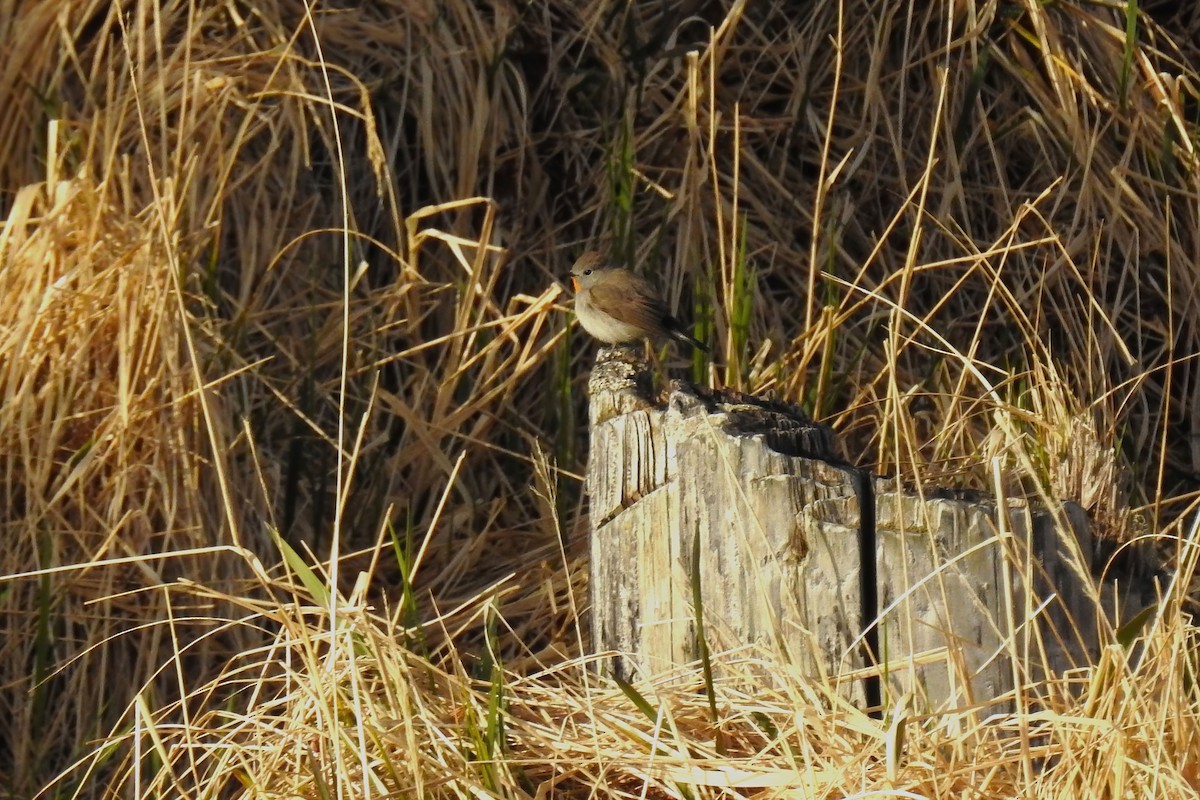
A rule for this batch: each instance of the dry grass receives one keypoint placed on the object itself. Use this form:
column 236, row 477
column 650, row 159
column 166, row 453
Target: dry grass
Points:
column 281, row 319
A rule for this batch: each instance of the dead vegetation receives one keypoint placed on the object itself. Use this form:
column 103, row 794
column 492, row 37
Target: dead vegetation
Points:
column 281, row 318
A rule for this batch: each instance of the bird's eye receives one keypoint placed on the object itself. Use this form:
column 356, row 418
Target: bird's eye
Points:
column 587, row 272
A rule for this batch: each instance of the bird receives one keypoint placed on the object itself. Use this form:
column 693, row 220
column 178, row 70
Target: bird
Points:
column 618, row 307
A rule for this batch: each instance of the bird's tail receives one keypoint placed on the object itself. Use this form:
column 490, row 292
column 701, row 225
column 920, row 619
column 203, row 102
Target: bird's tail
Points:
column 682, row 336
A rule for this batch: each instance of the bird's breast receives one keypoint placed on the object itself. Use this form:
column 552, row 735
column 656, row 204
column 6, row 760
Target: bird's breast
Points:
column 604, row 324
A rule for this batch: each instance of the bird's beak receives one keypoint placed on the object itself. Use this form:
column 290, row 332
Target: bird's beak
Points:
column 575, row 283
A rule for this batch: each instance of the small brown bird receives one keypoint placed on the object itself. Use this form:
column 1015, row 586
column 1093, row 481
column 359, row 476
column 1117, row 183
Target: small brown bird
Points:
column 618, row 307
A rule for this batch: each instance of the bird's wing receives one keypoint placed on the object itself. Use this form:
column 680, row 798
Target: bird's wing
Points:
column 637, row 302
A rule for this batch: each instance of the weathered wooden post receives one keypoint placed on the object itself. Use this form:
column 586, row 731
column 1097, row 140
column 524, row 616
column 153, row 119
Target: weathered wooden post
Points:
column 966, row 583
column 754, row 490
column 818, row 562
